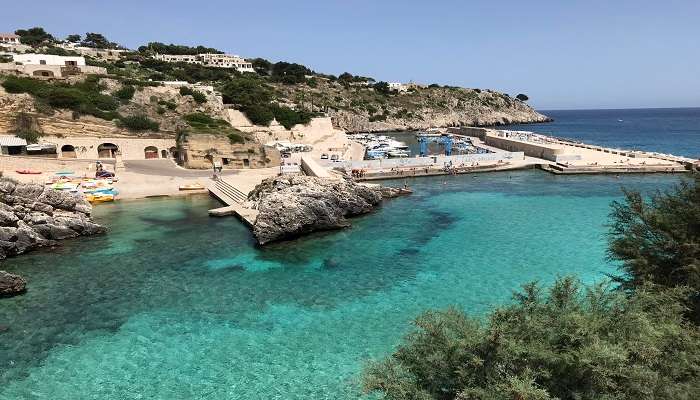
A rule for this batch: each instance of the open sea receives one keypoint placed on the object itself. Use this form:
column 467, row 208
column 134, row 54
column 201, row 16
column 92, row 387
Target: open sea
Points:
column 172, row 304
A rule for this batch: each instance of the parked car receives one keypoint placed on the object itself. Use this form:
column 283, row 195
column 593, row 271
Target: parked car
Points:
column 286, row 155
column 324, row 156
column 334, row 157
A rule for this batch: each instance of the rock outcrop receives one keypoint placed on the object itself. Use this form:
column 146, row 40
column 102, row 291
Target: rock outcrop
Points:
column 11, row 285
column 33, row 216
column 292, row 206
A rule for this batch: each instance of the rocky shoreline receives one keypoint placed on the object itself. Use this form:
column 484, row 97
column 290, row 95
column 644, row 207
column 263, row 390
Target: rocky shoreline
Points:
column 33, row 216
column 289, row 207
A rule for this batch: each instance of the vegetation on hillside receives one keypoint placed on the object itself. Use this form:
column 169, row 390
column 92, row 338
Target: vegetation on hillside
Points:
column 83, row 97
column 289, row 92
column 570, row 341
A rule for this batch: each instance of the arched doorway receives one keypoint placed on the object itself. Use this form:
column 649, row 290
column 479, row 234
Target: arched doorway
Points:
column 150, row 152
column 47, row 74
column 68, row 151
column 107, row 150
column 164, row 153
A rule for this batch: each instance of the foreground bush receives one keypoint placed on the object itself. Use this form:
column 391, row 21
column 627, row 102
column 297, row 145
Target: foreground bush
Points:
column 658, row 240
column 570, row 343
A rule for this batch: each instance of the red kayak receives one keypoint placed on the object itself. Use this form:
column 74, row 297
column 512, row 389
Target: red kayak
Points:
column 27, row 171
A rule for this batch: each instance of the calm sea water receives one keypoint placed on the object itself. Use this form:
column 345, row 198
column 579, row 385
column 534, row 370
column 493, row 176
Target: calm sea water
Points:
column 666, row 130
column 172, row 304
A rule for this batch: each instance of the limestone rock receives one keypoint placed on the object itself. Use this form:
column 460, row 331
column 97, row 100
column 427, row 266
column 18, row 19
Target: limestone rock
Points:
column 11, row 285
column 32, row 216
column 292, row 206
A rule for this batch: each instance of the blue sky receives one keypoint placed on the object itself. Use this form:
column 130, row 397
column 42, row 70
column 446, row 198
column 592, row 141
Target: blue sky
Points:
column 563, row 54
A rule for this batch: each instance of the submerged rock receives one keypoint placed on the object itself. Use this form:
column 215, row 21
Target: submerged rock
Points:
column 292, row 206
column 33, row 216
column 11, row 285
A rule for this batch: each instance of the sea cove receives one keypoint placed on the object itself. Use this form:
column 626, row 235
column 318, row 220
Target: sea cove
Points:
column 174, row 304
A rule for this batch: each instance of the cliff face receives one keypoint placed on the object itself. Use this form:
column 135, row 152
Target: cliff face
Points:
column 361, row 108
column 148, row 101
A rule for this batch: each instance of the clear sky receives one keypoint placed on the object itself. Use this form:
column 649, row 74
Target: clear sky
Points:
column 562, row 53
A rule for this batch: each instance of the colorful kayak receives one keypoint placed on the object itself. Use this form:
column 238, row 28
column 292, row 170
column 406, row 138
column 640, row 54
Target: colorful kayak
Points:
column 99, row 198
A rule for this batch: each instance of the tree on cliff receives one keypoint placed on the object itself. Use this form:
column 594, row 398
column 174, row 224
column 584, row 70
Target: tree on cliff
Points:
column 98, row 41
column 658, row 240
column 34, row 36
column 522, row 97
column 75, row 38
column 570, row 343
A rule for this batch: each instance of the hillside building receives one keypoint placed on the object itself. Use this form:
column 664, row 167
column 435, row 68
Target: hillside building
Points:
column 104, row 54
column 9, row 38
column 48, row 66
column 210, row 60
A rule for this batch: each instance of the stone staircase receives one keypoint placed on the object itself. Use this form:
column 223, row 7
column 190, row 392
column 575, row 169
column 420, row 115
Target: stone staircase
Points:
column 234, row 200
column 230, row 191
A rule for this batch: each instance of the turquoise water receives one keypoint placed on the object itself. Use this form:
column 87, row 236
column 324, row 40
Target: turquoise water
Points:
column 667, row 130
column 172, row 304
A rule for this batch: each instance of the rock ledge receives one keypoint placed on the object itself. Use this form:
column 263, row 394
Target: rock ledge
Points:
column 292, row 206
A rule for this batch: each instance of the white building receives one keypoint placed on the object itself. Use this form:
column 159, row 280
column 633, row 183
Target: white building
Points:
column 9, row 38
column 48, row 59
column 398, row 86
column 210, row 60
column 106, row 54
column 227, row 61
column 49, row 66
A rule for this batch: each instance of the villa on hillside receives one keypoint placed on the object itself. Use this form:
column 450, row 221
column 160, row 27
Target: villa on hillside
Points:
column 48, row 66
column 398, row 87
column 9, row 38
column 105, row 54
column 210, row 60
column 10, row 42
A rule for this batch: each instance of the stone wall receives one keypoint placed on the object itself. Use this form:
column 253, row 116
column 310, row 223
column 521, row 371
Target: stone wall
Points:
column 530, row 149
column 201, row 151
column 131, row 148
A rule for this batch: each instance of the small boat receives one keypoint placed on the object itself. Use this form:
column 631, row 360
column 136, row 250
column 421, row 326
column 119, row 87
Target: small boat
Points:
column 99, row 198
column 398, row 154
column 192, row 186
column 27, row 172
column 65, row 173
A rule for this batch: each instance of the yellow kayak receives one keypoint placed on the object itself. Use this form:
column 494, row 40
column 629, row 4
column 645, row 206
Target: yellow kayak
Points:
column 99, row 198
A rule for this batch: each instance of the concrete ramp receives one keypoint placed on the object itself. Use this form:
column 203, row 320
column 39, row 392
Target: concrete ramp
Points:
column 312, row 168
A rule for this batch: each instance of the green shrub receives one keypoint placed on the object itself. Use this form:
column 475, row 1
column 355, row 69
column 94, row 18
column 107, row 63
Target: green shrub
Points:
column 235, row 137
column 568, row 342
column 198, row 96
column 126, row 93
column 168, row 104
column 259, row 114
column 138, row 123
column 288, row 117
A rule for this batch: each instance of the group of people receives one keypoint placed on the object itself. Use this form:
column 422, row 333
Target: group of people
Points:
column 101, row 172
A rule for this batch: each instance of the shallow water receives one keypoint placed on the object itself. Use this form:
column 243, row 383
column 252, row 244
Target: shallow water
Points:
column 172, row 304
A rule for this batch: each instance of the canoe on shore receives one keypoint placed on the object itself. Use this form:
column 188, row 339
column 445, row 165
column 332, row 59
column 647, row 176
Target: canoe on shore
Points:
column 27, row 172
column 192, row 186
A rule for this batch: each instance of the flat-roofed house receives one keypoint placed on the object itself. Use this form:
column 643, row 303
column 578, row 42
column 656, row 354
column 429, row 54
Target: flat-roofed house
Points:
column 49, row 66
column 9, row 38
column 210, row 60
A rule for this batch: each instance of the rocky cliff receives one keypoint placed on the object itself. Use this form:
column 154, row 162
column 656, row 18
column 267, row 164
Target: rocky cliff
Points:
column 292, row 206
column 33, row 216
column 363, row 109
